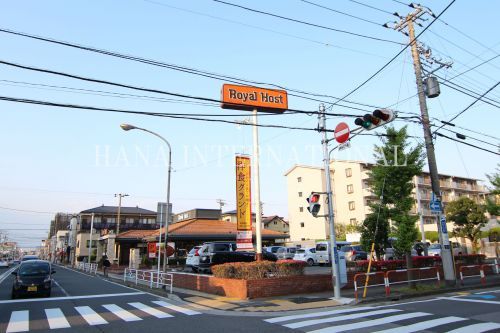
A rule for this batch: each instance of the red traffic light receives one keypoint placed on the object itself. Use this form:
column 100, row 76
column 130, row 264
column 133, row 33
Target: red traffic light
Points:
column 314, row 198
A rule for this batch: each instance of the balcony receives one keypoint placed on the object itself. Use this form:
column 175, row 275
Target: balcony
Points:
column 123, row 226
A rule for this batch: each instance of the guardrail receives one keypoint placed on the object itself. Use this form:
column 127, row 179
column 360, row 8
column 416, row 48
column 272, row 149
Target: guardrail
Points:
column 494, row 268
column 469, row 267
column 388, row 282
column 150, row 277
column 86, row 267
column 368, row 286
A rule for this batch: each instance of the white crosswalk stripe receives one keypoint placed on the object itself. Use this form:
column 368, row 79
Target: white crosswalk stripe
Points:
column 20, row 320
column 180, row 309
column 361, row 318
column 56, row 318
column 121, row 313
column 90, row 316
column 149, row 310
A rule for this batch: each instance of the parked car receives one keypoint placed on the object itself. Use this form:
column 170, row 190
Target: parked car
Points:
column 33, row 277
column 323, row 251
column 29, row 257
column 435, row 249
column 193, row 258
column 391, row 253
column 273, row 249
column 286, row 253
column 354, row 252
column 4, row 263
column 215, row 253
column 308, row 255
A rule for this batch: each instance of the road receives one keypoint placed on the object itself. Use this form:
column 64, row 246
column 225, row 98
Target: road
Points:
column 86, row 303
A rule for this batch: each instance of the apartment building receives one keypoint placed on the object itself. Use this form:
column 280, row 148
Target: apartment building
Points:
column 352, row 196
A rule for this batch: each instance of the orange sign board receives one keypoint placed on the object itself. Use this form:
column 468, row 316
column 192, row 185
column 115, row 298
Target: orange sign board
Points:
column 152, row 250
column 243, row 194
column 249, row 98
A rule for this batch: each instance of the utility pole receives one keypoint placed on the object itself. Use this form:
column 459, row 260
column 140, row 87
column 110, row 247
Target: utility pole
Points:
column 333, row 241
column 446, row 254
column 221, row 203
column 120, row 196
column 256, row 183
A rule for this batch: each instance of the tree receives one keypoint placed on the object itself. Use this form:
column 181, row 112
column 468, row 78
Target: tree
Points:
column 492, row 203
column 468, row 217
column 397, row 162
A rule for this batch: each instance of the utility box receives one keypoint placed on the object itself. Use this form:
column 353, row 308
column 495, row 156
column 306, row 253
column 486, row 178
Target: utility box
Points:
column 432, row 87
column 342, row 268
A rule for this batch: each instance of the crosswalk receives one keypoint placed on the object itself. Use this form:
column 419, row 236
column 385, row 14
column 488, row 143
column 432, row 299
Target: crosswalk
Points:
column 387, row 320
column 103, row 314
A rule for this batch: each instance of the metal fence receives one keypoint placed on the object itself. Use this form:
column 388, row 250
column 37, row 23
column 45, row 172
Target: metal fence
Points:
column 149, row 277
column 86, row 267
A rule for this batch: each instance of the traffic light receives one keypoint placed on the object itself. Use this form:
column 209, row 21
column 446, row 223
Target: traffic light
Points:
column 314, row 204
column 376, row 119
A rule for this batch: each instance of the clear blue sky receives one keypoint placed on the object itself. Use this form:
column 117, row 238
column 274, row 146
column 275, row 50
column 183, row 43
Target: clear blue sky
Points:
column 66, row 160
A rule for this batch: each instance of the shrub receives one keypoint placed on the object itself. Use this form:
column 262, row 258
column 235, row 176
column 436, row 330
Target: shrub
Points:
column 425, row 261
column 470, row 259
column 290, row 267
column 258, row 269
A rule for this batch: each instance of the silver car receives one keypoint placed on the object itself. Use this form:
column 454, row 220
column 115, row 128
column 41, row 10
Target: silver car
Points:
column 286, row 253
column 193, row 258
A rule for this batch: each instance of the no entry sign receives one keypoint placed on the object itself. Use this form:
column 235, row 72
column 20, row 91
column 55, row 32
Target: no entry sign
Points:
column 342, row 132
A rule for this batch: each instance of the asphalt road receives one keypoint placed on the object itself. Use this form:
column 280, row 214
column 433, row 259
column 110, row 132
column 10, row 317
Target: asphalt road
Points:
column 91, row 304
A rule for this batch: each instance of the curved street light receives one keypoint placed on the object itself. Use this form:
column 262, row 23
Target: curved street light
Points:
column 128, row 127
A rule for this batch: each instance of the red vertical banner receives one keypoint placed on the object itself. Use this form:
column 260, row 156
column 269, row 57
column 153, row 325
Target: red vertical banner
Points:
column 152, row 250
column 243, row 204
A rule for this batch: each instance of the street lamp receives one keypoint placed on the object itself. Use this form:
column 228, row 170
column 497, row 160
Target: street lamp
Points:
column 128, row 127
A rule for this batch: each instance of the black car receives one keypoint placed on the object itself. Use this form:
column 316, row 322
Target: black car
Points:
column 33, row 277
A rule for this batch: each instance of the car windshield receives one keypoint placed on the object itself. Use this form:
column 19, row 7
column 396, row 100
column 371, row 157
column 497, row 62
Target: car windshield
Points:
column 321, row 247
column 275, row 249
column 301, row 251
column 435, row 246
column 345, row 248
column 357, row 248
column 36, row 268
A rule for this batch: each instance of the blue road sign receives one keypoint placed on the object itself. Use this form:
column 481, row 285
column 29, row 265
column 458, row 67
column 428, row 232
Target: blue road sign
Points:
column 435, row 206
column 444, row 230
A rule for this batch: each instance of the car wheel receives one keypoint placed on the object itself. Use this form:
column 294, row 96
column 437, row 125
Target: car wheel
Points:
column 310, row 262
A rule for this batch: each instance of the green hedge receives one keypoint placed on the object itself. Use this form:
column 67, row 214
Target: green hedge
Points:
column 259, row 269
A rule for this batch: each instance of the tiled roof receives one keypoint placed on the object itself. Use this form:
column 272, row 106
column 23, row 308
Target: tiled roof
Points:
column 137, row 234
column 201, row 227
column 114, row 210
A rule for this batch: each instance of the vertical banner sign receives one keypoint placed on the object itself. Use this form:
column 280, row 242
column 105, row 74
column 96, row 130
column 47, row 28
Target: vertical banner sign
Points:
column 243, row 204
column 152, row 250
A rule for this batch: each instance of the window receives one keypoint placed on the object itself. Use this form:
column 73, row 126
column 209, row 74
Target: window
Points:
column 350, row 188
column 348, row 172
column 353, row 222
column 300, row 194
column 301, row 209
column 111, row 220
column 299, row 179
column 275, row 223
column 352, row 206
column 97, row 219
column 302, row 224
column 129, row 220
column 94, row 244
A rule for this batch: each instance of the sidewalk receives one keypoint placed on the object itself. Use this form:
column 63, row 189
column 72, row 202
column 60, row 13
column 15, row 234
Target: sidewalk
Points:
column 204, row 301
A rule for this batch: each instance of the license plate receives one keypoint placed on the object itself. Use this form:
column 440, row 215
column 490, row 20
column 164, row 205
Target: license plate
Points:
column 32, row 288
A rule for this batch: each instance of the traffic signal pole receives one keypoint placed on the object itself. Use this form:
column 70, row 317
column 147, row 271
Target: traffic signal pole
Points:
column 333, row 241
column 446, row 254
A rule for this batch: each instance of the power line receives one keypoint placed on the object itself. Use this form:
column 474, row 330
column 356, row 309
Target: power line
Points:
column 184, row 69
column 372, row 7
column 307, row 23
column 472, row 138
column 468, row 107
column 395, row 57
column 340, row 12
column 466, row 143
column 25, row 210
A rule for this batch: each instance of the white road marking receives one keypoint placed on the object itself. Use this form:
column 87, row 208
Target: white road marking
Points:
column 56, row 318
column 149, row 310
column 59, row 286
column 490, row 291
column 477, row 328
column 469, row 300
column 121, row 313
column 339, row 318
column 6, row 274
column 370, row 323
column 90, row 316
column 423, row 325
column 316, row 314
column 19, row 322
column 177, row 308
column 69, row 298
column 412, row 302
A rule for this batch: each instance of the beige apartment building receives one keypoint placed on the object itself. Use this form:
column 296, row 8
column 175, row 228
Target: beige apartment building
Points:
column 352, row 194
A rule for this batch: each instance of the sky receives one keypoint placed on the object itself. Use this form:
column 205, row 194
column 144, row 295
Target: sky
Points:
column 57, row 159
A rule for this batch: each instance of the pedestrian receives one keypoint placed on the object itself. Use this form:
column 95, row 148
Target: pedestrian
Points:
column 105, row 265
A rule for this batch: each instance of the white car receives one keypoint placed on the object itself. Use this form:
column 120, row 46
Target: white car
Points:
column 435, row 249
column 4, row 263
column 193, row 258
column 308, row 255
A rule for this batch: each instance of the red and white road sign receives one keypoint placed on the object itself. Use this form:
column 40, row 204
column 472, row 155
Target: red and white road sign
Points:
column 342, row 132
